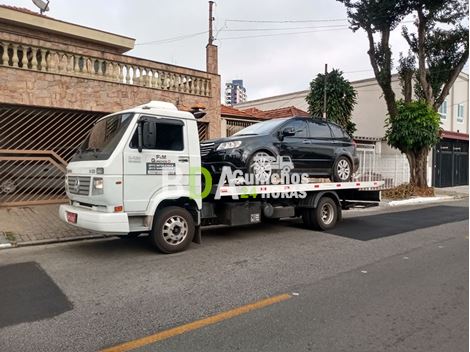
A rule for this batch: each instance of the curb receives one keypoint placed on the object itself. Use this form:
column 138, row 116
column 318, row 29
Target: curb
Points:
column 52, row 241
column 60, row 240
column 419, row 200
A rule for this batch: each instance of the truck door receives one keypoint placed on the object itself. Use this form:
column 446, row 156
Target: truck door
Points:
column 163, row 163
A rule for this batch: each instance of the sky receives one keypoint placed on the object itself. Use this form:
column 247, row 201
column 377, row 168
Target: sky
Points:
column 275, row 46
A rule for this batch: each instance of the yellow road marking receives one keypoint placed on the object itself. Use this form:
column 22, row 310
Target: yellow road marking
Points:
column 162, row 335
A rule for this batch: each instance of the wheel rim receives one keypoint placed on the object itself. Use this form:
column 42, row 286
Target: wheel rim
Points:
column 175, row 230
column 343, row 169
column 261, row 167
column 7, row 187
column 327, row 213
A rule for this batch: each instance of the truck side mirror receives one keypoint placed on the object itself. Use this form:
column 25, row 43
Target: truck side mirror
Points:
column 140, row 136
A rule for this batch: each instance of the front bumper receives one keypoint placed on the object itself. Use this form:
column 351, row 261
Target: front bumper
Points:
column 216, row 160
column 95, row 220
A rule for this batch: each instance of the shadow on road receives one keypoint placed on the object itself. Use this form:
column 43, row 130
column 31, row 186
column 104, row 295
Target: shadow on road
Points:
column 29, row 294
column 372, row 227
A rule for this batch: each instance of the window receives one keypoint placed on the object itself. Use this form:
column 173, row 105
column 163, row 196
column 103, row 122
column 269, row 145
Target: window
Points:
column 300, row 127
column 338, row 132
column 161, row 135
column 319, row 129
column 443, row 110
column 460, row 113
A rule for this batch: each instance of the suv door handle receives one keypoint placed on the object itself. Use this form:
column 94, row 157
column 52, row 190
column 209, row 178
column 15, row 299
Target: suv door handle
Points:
column 306, row 141
column 183, row 159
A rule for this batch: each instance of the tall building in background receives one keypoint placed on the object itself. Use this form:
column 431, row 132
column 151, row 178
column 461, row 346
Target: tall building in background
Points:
column 235, row 92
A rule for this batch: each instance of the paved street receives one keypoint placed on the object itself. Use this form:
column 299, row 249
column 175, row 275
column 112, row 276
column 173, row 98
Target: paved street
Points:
column 388, row 280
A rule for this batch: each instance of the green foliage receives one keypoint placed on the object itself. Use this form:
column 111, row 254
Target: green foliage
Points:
column 415, row 127
column 340, row 99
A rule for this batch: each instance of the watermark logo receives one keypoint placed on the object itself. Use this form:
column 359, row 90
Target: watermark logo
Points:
column 265, row 170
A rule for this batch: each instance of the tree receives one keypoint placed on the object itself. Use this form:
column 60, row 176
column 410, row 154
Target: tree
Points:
column 340, row 99
column 414, row 131
column 439, row 46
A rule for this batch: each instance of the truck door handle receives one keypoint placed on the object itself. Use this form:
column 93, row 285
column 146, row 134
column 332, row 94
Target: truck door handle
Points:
column 183, row 159
column 306, row 141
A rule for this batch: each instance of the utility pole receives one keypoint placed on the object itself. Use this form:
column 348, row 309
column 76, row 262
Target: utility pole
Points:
column 211, row 49
column 324, row 92
column 211, row 20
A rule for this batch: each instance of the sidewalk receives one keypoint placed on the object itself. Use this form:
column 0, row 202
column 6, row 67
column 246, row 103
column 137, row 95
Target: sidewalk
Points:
column 458, row 191
column 37, row 224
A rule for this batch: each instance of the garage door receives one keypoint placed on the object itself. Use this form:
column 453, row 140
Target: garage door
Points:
column 450, row 163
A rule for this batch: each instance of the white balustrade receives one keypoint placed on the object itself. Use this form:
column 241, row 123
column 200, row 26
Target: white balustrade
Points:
column 58, row 62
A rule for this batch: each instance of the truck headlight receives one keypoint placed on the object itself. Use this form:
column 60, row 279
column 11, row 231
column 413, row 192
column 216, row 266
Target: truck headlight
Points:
column 98, row 186
column 229, row 145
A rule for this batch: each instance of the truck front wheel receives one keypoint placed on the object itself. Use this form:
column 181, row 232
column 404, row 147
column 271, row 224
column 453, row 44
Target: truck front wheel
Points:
column 173, row 229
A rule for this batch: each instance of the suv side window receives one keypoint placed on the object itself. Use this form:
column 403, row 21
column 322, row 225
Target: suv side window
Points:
column 160, row 135
column 319, row 129
column 300, row 127
column 338, row 132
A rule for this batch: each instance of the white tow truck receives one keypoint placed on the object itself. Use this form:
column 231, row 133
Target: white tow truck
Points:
column 139, row 171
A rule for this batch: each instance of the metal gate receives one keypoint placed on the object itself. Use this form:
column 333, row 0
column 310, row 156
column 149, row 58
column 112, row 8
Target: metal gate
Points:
column 393, row 169
column 202, row 128
column 35, row 147
column 235, row 125
column 450, row 163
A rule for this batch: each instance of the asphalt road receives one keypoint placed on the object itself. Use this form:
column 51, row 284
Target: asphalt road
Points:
column 388, row 280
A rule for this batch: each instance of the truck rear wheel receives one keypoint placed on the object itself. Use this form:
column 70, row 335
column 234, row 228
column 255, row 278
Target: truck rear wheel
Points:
column 173, row 229
column 324, row 216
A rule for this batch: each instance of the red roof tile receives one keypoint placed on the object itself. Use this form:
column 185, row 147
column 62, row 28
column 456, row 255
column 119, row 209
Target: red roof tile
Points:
column 277, row 113
column 232, row 112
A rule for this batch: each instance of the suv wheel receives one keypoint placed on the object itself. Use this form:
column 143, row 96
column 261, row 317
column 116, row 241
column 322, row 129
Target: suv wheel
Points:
column 342, row 171
column 260, row 166
column 8, row 187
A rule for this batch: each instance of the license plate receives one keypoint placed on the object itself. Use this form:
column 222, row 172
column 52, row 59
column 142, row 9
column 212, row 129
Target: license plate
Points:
column 71, row 217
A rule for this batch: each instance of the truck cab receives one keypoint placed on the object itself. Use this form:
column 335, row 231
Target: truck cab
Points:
column 133, row 163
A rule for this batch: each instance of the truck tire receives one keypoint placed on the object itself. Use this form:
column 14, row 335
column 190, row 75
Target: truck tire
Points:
column 323, row 217
column 173, row 229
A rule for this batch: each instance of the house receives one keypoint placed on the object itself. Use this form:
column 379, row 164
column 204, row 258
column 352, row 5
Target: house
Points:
column 447, row 164
column 58, row 78
column 234, row 120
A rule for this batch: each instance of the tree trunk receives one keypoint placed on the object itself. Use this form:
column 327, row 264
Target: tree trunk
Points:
column 418, row 167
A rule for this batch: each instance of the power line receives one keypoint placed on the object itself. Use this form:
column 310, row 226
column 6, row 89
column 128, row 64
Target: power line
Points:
column 287, row 21
column 280, row 34
column 173, row 39
column 281, row 29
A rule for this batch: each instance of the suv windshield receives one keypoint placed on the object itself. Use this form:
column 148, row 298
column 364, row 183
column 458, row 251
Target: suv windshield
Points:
column 261, row 127
column 103, row 138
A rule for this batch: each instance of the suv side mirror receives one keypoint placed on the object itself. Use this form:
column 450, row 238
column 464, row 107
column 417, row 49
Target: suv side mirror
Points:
column 287, row 132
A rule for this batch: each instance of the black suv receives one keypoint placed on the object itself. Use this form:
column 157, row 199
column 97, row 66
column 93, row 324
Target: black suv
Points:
column 316, row 147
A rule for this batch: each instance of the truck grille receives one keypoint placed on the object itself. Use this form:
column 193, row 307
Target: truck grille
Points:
column 79, row 185
column 206, row 148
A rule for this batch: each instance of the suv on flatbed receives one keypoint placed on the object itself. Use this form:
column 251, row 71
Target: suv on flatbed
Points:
column 316, row 147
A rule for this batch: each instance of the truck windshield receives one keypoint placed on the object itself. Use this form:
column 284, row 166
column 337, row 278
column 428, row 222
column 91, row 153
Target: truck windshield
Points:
column 103, row 138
